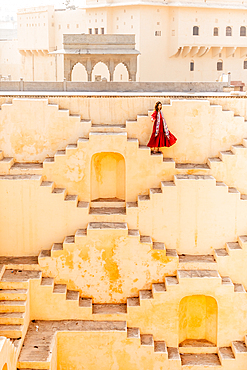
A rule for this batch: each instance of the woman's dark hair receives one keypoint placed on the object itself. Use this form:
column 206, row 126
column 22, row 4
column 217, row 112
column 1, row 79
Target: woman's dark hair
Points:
column 156, row 105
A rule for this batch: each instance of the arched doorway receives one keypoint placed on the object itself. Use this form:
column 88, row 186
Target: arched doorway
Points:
column 107, row 176
column 5, row 367
column 100, row 71
column 79, row 73
column 121, row 73
column 198, row 320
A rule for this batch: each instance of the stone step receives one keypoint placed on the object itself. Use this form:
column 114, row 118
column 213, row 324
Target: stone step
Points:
column 233, row 248
column 243, row 241
column 107, row 211
column 198, row 274
column 46, row 281
column 85, row 302
column 227, row 281
column 12, row 318
column 239, row 348
column 109, row 309
column 72, row 295
column 60, row 289
column 237, row 149
column 239, row 288
column 107, row 203
column 145, row 239
column 108, row 128
column 13, row 294
column 6, row 163
column 191, row 262
column 20, row 263
column 224, row 154
column 107, row 226
column 133, row 302
column 11, row 331
column 219, row 253
column 173, row 354
column 18, row 279
column 145, row 294
column 12, row 306
column 44, row 254
column 197, row 346
column 200, row 359
column 160, row 347
column 133, row 333
column 158, row 288
column 192, row 168
column 225, row 354
column 147, row 340
column 171, row 282
column 26, row 168
column 56, row 247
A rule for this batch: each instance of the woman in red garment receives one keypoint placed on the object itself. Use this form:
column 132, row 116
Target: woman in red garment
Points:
column 161, row 136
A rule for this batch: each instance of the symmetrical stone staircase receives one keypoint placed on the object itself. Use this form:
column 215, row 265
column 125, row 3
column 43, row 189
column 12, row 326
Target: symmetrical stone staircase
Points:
column 48, row 306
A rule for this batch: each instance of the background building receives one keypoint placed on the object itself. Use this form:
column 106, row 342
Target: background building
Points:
column 178, row 41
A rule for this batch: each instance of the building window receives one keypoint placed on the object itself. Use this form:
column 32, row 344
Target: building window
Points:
column 242, row 31
column 77, row 26
column 51, row 25
column 173, row 32
column 157, row 33
column 245, row 64
column 90, row 31
column 216, row 31
column 59, row 27
column 102, row 31
column 220, row 65
column 96, row 31
column 68, row 26
column 131, row 17
column 228, row 31
column 192, row 66
column 158, row 23
column 195, row 31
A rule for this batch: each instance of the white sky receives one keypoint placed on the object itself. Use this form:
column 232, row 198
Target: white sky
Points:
column 13, row 5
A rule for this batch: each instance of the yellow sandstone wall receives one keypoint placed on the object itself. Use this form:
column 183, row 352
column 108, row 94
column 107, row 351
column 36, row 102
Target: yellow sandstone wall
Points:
column 172, row 258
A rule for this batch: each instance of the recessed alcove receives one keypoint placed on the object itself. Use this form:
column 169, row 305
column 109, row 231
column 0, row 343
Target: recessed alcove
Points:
column 107, row 176
column 198, row 321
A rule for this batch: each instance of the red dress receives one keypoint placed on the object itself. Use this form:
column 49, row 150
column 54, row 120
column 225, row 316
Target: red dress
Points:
column 161, row 139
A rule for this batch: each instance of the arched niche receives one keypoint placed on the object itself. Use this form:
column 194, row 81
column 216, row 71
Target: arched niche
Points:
column 107, row 176
column 121, row 73
column 5, row 367
column 79, row 73
column 100, row 71
column 198, row 320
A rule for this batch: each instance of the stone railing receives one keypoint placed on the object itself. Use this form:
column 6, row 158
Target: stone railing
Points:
column 112, row 86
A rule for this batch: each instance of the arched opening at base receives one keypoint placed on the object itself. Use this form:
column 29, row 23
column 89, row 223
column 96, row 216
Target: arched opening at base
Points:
column 5, row 367
column 198, row 321
column 121, row 73
column 100, row 72
column 107, row 176
column 79, row 73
